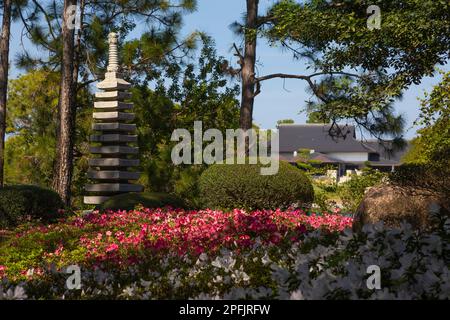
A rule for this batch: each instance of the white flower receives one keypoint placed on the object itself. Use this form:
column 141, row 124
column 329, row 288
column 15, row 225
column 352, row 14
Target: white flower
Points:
column 265, row 259
column 15, row 293
column 145, row 284
column 297, row 295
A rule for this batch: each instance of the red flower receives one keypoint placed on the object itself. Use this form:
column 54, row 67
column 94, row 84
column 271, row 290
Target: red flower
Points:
column 179, row 231
column 2, row 271
column 111, row 248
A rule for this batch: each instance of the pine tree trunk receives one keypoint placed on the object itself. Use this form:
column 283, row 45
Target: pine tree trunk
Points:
column 248, row 68
column 66, row 112
column 4, row 65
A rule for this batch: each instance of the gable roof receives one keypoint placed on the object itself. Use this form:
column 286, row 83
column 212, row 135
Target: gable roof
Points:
column 316, row 137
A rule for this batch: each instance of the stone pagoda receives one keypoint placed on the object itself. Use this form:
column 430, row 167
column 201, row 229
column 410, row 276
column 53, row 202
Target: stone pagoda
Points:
column 111, row 171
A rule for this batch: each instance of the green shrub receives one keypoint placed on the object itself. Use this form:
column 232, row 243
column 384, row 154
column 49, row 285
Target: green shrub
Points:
column 352, row 191
column 321, row 200
column 22, row 202
column 129, row 201
column 432, row 177
column 242, row 186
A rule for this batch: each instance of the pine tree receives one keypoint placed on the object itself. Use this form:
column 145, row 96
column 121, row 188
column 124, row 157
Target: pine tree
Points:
column 4, row 65
column 66, row 110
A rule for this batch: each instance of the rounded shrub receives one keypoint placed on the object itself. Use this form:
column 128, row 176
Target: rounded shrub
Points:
column 20, row 203
column 129, row 201
column 224, row 186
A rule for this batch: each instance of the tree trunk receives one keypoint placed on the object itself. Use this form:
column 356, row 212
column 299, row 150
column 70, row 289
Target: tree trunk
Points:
column 4, row 65
column 248, row 67
column 66, row 111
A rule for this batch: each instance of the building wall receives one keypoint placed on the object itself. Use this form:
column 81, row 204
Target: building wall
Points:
column 350, row 156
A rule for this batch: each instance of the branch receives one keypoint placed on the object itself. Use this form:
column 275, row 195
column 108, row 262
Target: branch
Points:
column 301, row 77
column 42, row 42
column 47, row 18
column 264, row 20
column 282, row 76
column 239, row 55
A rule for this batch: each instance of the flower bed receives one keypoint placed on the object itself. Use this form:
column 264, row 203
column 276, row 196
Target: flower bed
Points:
column 173, row 254
column 122, row 238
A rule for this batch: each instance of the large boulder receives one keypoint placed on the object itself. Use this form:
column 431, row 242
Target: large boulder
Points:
column 394, row 204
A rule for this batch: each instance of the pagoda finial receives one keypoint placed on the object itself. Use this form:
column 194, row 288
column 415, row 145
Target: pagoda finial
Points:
column 113, row 63
column 113, row 77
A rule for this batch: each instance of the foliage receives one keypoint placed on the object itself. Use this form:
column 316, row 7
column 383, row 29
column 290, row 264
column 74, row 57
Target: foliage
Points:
column 335, row 38
column 160, row 44
column 321, row 200
column 316, row 117
column 20, row 203
column 429, row 178
column 314, row 167
column 314, row 265
column 285, row 121
column 410, row 28
column 33, row 100
column 129, row 201
column 433, row 144
column 342, row 98
column 352, row 191
column 31, row 125
column 197, row 92
column 427, row 163
column 243, row 186
column 310, row 166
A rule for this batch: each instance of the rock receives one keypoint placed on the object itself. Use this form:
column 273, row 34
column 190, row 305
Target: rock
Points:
column 393, row 204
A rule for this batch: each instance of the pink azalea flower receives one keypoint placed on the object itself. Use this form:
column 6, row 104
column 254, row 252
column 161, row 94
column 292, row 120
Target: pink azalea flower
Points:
column 111, row 248
column 2, row 271
column 180, row 231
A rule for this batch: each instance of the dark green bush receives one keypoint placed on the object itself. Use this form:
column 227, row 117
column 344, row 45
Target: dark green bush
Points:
column 22, row 202
column 431, row 177
column 129, row 201
column 242, row 186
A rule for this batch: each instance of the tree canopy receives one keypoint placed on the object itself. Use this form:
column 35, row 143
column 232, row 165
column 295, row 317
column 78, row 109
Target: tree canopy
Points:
column 433, row 143
column 364, row 69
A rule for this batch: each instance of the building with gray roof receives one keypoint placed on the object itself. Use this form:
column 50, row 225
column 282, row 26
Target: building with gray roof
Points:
column 343, row 149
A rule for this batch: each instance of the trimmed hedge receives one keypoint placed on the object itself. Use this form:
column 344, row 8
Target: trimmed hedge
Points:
column 22, row 202
column 129, row 201
column 225, row 186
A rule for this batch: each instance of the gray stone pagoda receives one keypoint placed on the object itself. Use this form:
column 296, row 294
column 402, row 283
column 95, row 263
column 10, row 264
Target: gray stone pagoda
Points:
column 111, row 171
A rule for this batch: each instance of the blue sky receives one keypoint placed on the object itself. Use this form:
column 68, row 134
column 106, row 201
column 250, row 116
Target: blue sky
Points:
column 279, row 99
